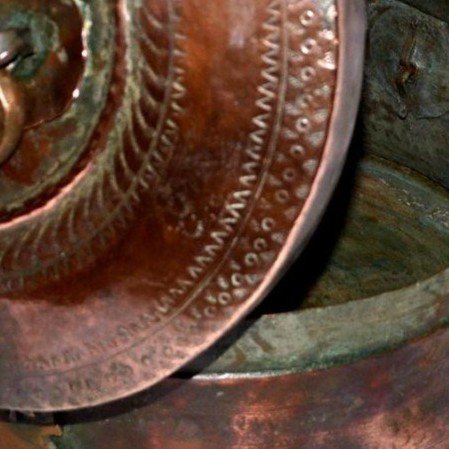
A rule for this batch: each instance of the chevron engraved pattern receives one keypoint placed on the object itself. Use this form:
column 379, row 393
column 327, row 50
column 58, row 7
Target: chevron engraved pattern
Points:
column 146, row 95
column 196, row 188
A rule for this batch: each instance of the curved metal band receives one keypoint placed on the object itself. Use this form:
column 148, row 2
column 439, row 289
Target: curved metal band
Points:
column 13, row 116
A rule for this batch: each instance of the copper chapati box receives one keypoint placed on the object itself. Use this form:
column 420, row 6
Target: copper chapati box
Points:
column 162, row 166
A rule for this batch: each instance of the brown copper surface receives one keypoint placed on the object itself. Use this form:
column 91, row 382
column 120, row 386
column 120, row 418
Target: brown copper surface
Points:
column 399, row 400
column 199, row 174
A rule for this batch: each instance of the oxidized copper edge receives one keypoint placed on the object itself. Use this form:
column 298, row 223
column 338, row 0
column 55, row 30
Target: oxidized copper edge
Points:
column 351, row 30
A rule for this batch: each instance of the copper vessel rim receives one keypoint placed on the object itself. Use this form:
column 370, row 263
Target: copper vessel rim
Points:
column 351, row 22
column 350, row 32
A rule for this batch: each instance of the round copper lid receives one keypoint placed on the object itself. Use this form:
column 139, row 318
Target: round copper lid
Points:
column 167, row 160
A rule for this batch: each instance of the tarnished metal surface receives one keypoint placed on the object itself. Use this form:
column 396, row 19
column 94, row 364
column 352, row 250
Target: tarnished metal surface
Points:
column 379, row 403
column 50, row 63
column 142, row 230
column 407, row 98
column 313, row 390
column 368, row 373
column 398, row 398
column 364, row 298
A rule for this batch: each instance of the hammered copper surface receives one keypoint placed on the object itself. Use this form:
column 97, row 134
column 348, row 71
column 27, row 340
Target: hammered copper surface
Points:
column 199, row 148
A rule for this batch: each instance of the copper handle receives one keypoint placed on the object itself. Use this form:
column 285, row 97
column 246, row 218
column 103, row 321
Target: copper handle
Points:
column 13, row 116
column 11, row 98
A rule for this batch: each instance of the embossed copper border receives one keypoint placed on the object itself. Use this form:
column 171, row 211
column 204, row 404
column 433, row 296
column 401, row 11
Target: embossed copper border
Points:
column 351, row 32
column 350, row 23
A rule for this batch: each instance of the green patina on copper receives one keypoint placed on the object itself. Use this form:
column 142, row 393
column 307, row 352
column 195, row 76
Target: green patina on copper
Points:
column 40, row 34
column 68, row 55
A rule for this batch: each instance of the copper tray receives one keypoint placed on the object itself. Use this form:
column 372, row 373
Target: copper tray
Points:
column 152, row 203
